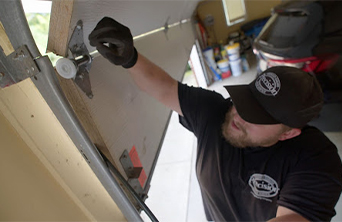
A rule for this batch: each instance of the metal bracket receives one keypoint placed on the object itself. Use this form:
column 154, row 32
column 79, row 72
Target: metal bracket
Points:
column 166, row 27
column 79, row 53
column 132, row 174
column 17, row 66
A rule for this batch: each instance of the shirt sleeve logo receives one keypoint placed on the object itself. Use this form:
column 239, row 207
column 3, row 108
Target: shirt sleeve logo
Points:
column 263, row 186
column 268, row 84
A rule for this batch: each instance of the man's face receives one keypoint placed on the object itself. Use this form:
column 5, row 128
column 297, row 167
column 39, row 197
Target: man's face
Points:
column 243, row 134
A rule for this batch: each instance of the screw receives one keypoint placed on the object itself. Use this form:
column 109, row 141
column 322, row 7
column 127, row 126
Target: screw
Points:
column 78, row 27
column 19, row 56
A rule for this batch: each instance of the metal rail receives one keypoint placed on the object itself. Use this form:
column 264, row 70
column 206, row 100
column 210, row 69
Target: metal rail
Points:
column 130, row 189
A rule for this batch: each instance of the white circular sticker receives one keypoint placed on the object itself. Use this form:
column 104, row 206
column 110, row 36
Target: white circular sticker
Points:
column 263, row 185
column 268, row 84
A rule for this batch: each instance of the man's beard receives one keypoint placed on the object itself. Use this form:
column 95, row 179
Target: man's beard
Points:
column 242, row 140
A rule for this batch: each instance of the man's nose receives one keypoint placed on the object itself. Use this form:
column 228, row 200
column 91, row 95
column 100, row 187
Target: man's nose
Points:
column 238, row 119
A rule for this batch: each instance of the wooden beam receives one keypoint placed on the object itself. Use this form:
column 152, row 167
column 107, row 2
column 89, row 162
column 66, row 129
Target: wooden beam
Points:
column 5, row 43
column 29, row 114
column 75, row 99
column 61, row 14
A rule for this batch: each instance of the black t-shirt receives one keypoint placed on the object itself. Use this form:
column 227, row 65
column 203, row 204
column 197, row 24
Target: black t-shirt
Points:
column 302, row 174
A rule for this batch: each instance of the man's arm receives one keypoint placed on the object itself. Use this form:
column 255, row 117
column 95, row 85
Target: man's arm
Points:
column 156, row 82
column 114, row 41
column 285, row 214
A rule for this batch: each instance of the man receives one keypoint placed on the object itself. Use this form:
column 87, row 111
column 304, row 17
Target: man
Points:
column 257, row 159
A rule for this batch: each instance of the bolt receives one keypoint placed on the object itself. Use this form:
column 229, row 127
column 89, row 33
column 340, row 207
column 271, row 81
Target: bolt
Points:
column 19, row 56
column 32, row 68
column 78, row 27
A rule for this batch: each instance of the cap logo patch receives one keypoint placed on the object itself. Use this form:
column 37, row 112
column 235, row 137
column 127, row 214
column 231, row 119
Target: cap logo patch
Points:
column 268, row 84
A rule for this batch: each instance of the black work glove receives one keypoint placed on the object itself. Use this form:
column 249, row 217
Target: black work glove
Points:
column 114, row 41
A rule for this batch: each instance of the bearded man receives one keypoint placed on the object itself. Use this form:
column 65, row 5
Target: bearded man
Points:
column 257, row 159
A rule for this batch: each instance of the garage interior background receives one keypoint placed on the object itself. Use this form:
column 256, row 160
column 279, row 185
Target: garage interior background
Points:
column 44, row 176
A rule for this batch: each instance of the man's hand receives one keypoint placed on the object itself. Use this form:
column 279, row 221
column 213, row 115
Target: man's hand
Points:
column 114, row 41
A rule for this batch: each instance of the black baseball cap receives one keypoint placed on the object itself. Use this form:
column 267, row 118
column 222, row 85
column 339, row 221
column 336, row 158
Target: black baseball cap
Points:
column 280, row 94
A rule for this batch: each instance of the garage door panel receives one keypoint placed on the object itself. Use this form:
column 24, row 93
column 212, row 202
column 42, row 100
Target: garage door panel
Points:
column 140, row 16
column 127, row 117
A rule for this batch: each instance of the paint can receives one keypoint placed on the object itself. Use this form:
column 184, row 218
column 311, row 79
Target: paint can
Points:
column 233, row 51
column 236, row 67
column 223, row 65
column 208, row 54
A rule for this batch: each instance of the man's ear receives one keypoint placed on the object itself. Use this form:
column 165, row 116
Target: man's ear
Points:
column 293, row 132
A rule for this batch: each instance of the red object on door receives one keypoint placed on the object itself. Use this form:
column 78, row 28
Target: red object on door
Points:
column 133, row 154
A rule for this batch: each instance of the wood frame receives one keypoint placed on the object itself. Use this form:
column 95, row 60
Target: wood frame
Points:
column 61, row 13
column 26, row 110
column 5, row 43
